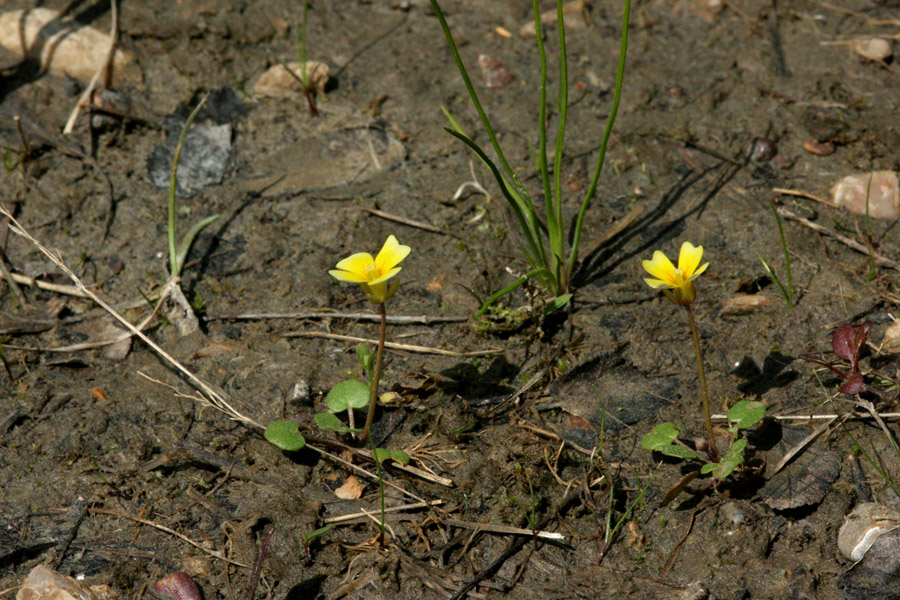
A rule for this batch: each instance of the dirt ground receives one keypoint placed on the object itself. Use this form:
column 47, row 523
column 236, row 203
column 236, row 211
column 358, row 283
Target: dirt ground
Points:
column 110, row 471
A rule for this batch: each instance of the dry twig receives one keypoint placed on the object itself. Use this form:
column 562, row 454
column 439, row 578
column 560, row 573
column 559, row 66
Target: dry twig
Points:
column 391, row 345
column 104, row 68
column 181, row 536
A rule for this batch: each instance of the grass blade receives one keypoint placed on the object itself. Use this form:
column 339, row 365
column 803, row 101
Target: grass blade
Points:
column 473, row 96
column 515, row 284
column 620, row 76
column 174, row 266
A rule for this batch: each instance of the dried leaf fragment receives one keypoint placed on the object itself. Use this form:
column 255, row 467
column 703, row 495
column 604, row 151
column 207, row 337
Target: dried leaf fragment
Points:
column 351, row 489
column 744, row 304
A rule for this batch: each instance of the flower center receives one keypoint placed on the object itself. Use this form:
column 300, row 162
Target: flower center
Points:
column 371, row 271
column 679, row 277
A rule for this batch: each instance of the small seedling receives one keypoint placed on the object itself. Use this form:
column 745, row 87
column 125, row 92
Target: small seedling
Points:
column 300, row 47
column 787, row 291
column 178, row 254
column 664, row 438
column 847, row 342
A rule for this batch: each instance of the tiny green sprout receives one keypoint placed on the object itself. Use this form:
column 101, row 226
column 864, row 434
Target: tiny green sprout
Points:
column 198, row 304
column 365, row 357
column 178, row 253
column 309, row 537
column 787, row 287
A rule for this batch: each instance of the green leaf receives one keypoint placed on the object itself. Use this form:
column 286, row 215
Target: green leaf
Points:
column 365, row 357
column 285, row 434
column 662, row 435
column 329, row 422
column 189, row 237
column 736, row 452
column 729, row 463
column 662, row 439
column 347, row 394
column 308, row 537
column 557, row 303
column 383, row 454
column 747, row 413
column 677, row 451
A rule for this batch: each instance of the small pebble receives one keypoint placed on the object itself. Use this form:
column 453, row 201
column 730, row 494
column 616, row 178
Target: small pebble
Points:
column 890, row 344
column 761, row 150
column 818, row 148
column 493, row 73
column 277, row 82
column 876, row 49
column 300, row 392
column 879, row 189
column 178, row 586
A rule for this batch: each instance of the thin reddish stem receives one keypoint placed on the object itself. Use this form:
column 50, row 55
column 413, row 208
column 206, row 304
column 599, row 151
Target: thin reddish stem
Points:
column 379, row 359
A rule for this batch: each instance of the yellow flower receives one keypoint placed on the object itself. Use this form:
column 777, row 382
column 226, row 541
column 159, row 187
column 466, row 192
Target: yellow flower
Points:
column 677, row 283
column 373, row 273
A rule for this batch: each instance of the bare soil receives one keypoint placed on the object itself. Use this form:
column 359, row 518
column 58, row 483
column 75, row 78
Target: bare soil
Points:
column 718, row 103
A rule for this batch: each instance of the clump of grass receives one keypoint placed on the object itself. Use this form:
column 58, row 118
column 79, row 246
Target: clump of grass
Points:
column 551, row 262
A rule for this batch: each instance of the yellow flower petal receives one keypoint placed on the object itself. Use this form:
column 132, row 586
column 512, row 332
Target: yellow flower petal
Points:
column 698, row 271
column 385, row 276
column 348, row 276
column 657, row 283
column 689, row 258
column 392, row 253
column 661, row 268
column 360, row 263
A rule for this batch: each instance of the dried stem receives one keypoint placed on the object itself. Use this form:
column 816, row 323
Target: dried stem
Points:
column 215, row 398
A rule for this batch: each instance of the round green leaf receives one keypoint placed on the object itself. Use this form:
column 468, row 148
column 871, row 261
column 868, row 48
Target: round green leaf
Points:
column 347, row 394
column 329, row 422
column 383, row 454
column 662, row 435
column 677, row 451
column 747, row 413
column 285, row 434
